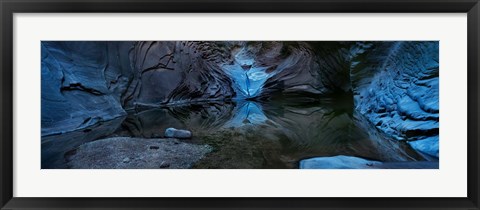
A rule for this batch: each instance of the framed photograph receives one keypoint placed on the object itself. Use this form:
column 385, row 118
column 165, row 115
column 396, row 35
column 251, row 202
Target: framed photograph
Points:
column 239, row 104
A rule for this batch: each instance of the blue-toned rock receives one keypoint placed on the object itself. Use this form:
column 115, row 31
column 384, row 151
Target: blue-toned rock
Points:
column 338, row 162
column 396, row 87
column 177, row 133
column 350, row 162
column 428, row 145
column 82, row 83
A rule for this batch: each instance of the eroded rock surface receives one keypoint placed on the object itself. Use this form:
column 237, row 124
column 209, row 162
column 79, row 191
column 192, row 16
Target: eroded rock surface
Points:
column 82, row 83
column 184, row 72
column 396, row 88
column 261, row 69
column 176, row 72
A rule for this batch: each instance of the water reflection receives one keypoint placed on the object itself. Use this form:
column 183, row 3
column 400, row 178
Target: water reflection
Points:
column 248, row 134
column 249, row 112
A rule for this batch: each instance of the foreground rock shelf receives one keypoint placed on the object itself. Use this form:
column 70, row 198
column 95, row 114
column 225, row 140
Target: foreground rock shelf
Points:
column 136, row 153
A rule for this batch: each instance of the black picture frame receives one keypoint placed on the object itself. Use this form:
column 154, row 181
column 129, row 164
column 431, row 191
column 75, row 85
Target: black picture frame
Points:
column 9, row 7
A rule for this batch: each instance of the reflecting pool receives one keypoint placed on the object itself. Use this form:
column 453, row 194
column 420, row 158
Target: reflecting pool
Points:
column 249, row 134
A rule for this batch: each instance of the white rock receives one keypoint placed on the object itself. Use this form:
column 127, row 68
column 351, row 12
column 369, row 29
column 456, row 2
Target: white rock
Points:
column 177, row 133
column 338, row 162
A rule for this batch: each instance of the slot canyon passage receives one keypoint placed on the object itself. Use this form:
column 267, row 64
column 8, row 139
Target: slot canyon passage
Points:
column 240, row 104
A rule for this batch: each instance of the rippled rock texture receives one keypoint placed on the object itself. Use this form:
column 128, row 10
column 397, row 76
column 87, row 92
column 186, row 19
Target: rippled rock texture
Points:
column 168, row 73
column 263, row 69
column 87, row 82
column 396, row 87
column 82, row 83
column 393, row 89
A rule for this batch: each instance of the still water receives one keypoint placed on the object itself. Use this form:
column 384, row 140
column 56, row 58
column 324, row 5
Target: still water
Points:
column 249, row 134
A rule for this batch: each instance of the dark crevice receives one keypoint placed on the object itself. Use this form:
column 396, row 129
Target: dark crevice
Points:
column 80, row 87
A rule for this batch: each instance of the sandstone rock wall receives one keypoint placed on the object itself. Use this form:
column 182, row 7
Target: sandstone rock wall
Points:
column 176, row 72
column 396, row 86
